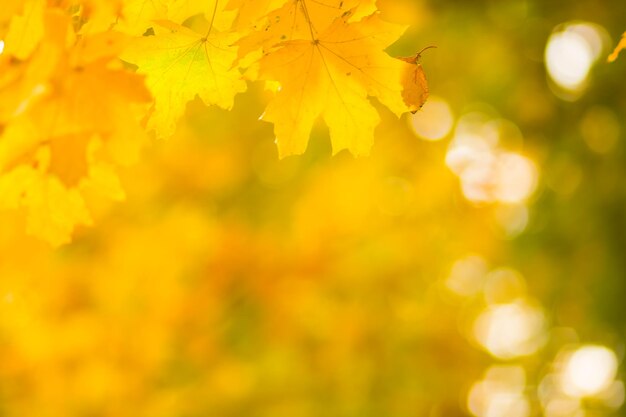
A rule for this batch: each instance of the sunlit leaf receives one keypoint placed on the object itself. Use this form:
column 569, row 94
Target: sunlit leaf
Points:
column 180, row 64
column 333, row 75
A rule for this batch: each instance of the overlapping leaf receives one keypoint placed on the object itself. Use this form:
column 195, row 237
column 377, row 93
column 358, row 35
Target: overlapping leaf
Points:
column 249, row 11
column 54, row 109
column 333, row 75
column 69, row 108
column 139, row 15
column 414, row 85
column 296, row 19
column 180, row 64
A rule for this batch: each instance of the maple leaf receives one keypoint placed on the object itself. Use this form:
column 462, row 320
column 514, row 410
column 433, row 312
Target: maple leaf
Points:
column 139, row 14
column 48, row 131
column 296, row 19
column 332, row 75
column 621, row 45
column 180, row 64
column 249, row 11
column 61, row 105
column 213, row 10
column 92, row 16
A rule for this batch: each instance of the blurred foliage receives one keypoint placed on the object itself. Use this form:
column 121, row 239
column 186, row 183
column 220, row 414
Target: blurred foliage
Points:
column 232, row 283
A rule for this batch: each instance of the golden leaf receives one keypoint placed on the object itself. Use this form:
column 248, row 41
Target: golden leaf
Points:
column 180, row 64
column 415, row 86
column 332, row 75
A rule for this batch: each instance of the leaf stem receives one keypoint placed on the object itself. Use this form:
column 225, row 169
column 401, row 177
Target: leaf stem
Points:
column 305, row 11
column 419, row 54
column 212, row 18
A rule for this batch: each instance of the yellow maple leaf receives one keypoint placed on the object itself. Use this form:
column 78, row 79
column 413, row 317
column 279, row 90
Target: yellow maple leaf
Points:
column 92, row 16
column 60, row 111
column 180, row 64
column 214, row 10
column 332, row 75
column 621, row 45
column 138, row 15
column 53, row 107
column 249, row 11
column 295, row 19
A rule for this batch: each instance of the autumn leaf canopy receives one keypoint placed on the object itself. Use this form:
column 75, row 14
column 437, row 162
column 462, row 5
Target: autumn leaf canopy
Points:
column 84, row 84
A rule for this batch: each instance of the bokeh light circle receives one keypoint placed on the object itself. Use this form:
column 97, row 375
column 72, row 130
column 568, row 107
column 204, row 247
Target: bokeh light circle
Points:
column 434, row 121
column 571, row 52
column 589, row 371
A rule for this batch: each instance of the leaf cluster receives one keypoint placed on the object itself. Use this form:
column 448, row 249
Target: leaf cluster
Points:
column 84, row 83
